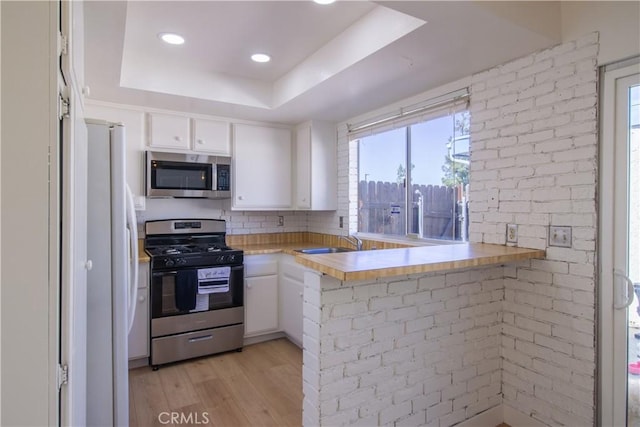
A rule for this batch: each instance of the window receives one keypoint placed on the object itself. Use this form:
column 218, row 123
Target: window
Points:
column 427, row 199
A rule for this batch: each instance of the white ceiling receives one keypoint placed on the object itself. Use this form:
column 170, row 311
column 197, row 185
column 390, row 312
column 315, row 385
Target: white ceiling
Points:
column 328, row 62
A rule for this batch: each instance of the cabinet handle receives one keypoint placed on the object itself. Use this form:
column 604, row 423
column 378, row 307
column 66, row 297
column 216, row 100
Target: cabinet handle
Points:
column 142, row 298
column 88, row 265
column 248, row 286
column 240, row 198
column 200, row 141
column 301, row 294
column 177, row 138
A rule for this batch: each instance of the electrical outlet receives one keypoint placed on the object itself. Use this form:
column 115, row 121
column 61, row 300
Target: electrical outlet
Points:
column 560, row 236
column 512, row 233
column 341, row 222
column 280, row 221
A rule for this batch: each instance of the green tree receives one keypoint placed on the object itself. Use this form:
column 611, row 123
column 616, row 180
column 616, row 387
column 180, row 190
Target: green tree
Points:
column 456, row 171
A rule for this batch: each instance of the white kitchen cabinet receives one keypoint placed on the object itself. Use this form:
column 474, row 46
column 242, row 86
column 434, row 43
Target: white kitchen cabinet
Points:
column 169, row 131
column 260, row 294
column 315, row 168
column 139, row 334
column 291, row 298
column 261, row 173
column 134, row 124
column 212, row 136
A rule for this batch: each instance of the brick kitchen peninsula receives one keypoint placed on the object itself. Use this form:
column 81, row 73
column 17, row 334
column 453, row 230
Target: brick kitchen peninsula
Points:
column 418, row 343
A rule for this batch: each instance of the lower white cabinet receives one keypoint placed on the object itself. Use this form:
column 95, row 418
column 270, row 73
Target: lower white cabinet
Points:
column 139, row 334
column 291, row 298
column 260, row 294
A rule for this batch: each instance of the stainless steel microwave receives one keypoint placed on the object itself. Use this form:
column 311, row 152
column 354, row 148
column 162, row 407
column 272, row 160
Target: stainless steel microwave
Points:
column 187, row 175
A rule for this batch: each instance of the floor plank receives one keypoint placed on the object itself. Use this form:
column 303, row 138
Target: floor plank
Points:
column 262, row 385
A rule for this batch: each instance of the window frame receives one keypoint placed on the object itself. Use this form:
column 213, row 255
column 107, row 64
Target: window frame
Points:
column 453, row 107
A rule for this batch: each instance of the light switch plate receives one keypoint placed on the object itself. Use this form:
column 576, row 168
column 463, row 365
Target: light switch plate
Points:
column 560, row 236
column 280, row 220
column 512, row 233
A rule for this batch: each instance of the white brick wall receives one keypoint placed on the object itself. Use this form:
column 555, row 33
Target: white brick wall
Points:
column 540, row 160
column 406, row 351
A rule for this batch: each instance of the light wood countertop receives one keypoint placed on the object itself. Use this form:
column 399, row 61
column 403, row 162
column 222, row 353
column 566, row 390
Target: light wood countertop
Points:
column 276, row 248
column 365, row 265
column 142, row 255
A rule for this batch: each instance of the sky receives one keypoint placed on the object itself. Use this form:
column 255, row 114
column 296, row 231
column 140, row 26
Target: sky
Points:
column 381, row 154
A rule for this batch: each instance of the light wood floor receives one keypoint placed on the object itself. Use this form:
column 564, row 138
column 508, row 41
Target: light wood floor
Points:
column 260, row 386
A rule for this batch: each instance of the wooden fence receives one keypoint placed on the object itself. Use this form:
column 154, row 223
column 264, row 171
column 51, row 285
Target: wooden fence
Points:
column 382, row 209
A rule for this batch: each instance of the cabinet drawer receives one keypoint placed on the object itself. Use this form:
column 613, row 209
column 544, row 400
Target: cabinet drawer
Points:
column 194, row 344
column 293, row 270
column 260, row 267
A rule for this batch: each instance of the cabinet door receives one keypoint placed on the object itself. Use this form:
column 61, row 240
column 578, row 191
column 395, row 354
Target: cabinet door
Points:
column 316, row 173
column 139, row 334
column 303, row 167
column 291, row 308
column 169, row 131
column 211, row 136
column 262, row 168
column 261, row 304
column 133, row 121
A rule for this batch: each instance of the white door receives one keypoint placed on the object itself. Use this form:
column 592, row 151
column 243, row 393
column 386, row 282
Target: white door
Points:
column 74, row 263
column 620, row 247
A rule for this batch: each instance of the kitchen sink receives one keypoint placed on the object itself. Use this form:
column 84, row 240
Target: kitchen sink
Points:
column 330, row 250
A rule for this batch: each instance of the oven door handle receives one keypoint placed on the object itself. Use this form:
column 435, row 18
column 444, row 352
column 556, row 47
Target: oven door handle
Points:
column 202, row 338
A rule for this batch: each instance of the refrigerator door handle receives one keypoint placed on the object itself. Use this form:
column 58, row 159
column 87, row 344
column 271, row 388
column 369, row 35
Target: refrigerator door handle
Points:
column 132, row 228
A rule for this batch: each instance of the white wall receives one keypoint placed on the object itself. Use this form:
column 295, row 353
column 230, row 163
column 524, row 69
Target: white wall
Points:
column 0, row 210
column 534, row 164
column 28, row 115
column 618, row 23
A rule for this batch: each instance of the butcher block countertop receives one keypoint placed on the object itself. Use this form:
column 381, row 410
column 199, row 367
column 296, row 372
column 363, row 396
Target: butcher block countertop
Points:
column 276, row 248
column 370, row 264
column 142, row 255
column 364, row 265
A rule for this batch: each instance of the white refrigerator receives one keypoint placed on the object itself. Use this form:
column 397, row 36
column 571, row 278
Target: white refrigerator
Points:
column 111, row 282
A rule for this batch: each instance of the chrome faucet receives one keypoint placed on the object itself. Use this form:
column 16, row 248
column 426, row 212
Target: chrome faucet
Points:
column 354, row 241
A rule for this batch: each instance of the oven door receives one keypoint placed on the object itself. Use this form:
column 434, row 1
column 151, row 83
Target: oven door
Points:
column 166, row 288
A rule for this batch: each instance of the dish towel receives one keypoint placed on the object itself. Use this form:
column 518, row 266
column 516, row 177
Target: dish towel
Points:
column 186, row 289
column 213, row 280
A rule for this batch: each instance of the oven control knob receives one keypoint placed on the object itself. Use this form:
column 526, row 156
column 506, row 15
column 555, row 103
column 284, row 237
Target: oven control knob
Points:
column 181, row 261
column 221, row 259
column 232, row 258
column 169, row 263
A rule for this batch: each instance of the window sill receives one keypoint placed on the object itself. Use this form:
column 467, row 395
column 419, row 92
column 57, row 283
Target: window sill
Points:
column 406, row 240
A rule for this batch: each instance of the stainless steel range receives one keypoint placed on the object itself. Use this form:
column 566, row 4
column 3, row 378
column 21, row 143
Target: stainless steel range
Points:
column 196, row 290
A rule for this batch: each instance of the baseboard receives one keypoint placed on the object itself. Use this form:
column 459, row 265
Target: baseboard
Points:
column 138, row 363
column 518, row 419
column 263, row 338
column 491, row 417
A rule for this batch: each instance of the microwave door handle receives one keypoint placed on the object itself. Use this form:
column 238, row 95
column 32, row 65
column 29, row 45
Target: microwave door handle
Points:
column 214, row 177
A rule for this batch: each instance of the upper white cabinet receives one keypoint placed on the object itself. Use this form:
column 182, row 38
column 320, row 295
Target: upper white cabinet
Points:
column 316, row 173
column 261, row 173
column 178, row 132
column 212, row 136
column 133, row 121
column 169, row 131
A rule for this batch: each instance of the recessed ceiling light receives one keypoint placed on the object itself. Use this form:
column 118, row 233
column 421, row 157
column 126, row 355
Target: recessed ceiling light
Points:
column 324, row 1
column 260, row 57
column 171, row 38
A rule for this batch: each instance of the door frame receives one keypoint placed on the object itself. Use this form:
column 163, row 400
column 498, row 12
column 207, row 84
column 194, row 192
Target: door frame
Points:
column 613, row 190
